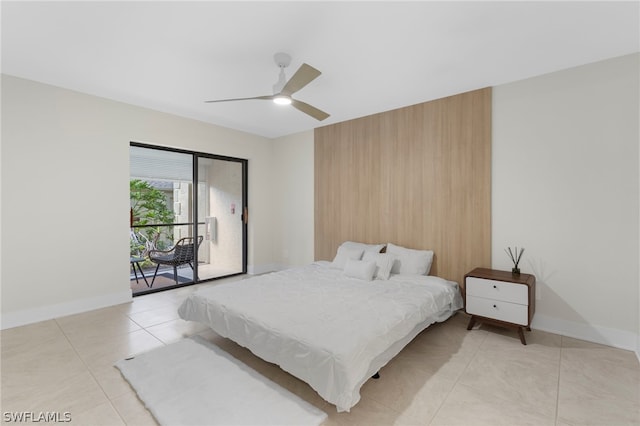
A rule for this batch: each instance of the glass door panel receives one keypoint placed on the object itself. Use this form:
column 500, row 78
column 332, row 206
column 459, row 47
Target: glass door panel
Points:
column 220, row 217
column 161, row 199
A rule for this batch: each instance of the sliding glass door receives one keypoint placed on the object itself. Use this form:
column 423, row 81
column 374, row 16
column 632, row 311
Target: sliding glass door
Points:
column 221, row 219
column 188, row 217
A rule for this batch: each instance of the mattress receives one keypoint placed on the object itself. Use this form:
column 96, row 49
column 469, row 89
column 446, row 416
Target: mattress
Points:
column 330, row 331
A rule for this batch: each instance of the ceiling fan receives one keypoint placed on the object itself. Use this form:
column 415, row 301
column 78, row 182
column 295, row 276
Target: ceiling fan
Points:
column 283, row 89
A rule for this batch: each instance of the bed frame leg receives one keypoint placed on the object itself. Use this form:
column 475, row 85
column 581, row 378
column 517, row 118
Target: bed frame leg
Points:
column 376, row 376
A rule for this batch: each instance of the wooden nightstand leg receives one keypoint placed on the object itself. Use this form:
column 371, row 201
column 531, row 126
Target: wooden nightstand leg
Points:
column 521, row 334
column 472, row 322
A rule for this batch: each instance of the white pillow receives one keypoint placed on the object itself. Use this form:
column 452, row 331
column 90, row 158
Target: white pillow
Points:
column 384, row 263
column 360, row 269
column 345, row 254
column 374, row 248
column 409, row 261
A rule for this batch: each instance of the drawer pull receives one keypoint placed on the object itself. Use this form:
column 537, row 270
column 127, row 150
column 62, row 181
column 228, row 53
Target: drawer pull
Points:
column 494, row 306
column 495, row 286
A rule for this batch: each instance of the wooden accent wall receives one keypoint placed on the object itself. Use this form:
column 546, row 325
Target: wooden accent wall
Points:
column 419, row 177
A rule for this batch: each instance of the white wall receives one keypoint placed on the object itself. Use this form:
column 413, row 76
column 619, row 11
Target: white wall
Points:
column 65, row 173
column 294, row 178
column 566, row 187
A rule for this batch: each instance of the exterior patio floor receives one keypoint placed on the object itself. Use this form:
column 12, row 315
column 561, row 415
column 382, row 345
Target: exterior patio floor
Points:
column 164, row 279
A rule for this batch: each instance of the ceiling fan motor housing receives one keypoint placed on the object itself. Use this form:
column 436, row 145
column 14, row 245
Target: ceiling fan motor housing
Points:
column 282, row 59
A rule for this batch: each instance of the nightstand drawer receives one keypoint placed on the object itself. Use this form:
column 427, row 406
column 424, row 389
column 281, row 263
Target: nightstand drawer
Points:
column 498, row 290
column 502, row 311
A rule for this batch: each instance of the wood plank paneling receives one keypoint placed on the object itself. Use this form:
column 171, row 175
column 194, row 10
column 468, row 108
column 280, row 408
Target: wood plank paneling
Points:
column 419, row 177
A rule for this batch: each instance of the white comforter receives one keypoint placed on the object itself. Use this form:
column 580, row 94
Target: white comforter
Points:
column 324, row 328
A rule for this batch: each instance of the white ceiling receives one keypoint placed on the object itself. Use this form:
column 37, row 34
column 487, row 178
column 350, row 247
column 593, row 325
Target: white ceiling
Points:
column 374, row 56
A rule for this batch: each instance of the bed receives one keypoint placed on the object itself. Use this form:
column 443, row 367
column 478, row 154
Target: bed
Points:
column 331, row 324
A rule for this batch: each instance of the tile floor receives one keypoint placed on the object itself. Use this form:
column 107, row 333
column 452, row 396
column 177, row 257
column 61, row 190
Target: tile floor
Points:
column 446, row 376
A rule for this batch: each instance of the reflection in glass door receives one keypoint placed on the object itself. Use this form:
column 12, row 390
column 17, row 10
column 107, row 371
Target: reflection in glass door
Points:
column 164, row 237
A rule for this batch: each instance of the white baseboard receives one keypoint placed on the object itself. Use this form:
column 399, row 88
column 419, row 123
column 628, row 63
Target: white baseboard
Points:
column 30, row 316
column 263, row 269
column 592, row 333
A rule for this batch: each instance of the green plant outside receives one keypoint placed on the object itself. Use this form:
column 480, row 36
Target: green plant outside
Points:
column 149, row 207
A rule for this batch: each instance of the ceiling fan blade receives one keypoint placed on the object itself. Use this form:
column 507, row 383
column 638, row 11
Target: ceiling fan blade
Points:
column 309, row 110
column 268, row 97
column 305, row 75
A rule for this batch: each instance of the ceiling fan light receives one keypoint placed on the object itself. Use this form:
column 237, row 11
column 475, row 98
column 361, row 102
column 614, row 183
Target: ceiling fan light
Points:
column 282, row 100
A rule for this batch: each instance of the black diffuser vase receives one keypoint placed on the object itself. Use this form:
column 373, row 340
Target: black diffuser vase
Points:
column 515, row 258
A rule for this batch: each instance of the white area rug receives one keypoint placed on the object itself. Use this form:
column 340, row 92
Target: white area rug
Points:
column 193, row 382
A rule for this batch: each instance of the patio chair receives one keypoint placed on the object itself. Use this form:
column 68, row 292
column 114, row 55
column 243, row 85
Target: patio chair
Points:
column 180, row 254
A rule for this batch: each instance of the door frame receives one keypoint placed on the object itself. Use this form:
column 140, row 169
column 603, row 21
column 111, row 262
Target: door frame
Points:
column 194, row 208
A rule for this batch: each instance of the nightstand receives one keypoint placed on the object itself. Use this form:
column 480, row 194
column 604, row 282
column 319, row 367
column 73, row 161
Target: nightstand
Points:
column 501, row 298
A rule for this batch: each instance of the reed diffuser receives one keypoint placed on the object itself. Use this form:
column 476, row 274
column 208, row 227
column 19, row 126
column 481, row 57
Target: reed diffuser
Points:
column 515, row 258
